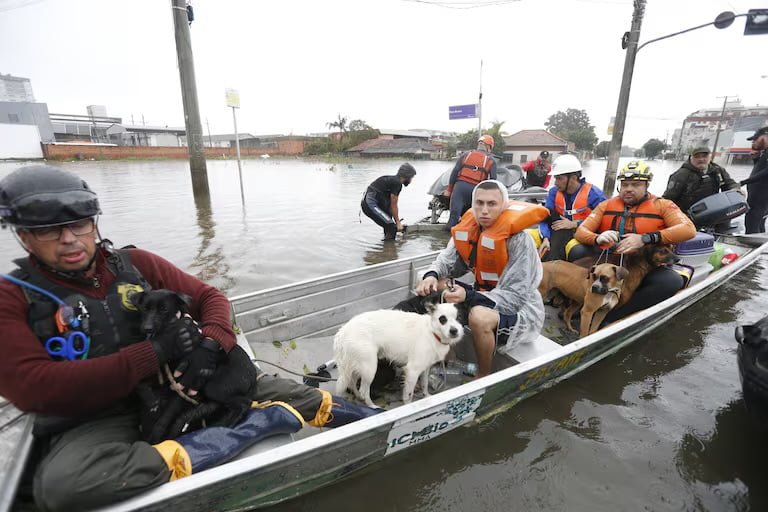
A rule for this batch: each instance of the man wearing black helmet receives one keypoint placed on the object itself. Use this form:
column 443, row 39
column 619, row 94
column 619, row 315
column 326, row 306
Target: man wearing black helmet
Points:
column 75, row 287
column 380, row 200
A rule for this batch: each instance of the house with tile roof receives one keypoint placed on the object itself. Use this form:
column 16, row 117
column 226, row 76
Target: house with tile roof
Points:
column 413, row 148
column 526, row 145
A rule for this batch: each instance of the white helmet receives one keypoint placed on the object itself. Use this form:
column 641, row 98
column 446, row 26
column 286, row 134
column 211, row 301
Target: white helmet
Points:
column 565, row 164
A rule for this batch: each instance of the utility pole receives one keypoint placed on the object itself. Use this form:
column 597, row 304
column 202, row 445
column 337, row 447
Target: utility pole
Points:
column 480, row 104
column 719, row 123
column 629, row 41
column 192, row 123
column 210, row 141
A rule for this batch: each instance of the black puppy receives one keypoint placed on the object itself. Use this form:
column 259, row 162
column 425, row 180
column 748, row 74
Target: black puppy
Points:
column 418, row 304
column 223, row 401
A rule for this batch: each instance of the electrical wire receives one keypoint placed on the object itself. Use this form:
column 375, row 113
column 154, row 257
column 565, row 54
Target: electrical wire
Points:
column 302, row 375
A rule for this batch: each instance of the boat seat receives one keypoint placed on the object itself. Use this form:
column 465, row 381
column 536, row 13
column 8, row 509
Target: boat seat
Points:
column 527, row 351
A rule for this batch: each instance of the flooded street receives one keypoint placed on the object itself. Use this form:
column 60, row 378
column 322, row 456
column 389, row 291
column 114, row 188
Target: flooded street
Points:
column 658, row 426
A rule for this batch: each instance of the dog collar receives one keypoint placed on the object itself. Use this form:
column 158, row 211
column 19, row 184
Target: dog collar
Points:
column 438, row 338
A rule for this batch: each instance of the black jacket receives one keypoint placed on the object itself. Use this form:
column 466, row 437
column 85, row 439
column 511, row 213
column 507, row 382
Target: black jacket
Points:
column 688, row 185
column 759, row 171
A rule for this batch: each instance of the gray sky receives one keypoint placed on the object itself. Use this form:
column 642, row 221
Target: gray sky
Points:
column 393, row 63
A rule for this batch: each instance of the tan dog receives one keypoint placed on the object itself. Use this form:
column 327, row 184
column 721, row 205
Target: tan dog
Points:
column 639, row 264
column 603, row 294
column 576, row 283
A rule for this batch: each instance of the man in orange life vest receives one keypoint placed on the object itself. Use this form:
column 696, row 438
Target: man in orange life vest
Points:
column 569, row 202
column 471, row 168
column 631, row 220
column 504, row 304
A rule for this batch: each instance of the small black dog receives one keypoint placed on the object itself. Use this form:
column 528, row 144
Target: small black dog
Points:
column 224, row 400
column 418, row 304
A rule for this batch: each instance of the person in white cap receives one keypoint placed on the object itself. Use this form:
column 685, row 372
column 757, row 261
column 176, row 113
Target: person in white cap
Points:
column 569, row 202
column 490, row 241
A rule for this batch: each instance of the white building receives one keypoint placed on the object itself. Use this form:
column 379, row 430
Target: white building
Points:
column 16, row 88
column 700, row 127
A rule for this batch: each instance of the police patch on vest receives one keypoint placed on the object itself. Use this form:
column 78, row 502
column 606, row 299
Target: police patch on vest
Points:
column 125, row 290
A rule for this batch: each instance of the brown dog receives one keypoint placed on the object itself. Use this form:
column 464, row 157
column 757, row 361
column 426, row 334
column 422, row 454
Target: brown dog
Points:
column 575, row 283
column 603, row 294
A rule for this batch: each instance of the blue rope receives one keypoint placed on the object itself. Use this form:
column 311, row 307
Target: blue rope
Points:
column 33, row 287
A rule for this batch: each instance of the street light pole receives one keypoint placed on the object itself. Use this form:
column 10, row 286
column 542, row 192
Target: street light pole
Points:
column 614, row 152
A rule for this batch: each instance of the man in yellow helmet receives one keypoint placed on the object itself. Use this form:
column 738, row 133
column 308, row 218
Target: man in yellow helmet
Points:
column 631, row 220
column 471, row 168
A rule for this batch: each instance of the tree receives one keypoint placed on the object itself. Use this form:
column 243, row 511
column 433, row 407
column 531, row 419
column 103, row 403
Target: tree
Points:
column 468, row 140
column 653, row 147
column 601, row 150
column 340, row 123
column 357, row 125
column 573, row 125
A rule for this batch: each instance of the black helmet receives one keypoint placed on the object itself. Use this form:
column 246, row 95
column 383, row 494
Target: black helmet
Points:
column 406, row 171
column 42, row 195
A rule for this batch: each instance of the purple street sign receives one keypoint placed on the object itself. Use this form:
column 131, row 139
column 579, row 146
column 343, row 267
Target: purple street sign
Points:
column 462, row 111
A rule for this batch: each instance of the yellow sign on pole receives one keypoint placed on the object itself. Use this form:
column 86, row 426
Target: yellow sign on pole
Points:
column 610, row 125
column 233, row 98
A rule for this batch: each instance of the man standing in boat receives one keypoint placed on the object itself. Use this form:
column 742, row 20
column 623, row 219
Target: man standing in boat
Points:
column 504, row 304
column 380, row 200
column 757, row 184
column 74, row 352
column 698, row 178
column 569, row 202
column 537, row 171
column 470, row 169
column 631, row 220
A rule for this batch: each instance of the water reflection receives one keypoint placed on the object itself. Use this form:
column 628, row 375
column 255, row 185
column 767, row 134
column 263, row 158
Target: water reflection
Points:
column 209, row 265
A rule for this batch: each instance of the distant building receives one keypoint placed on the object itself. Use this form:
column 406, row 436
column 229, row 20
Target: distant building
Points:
column 412, row 148
column 142, row 135
column 700, row 127
column 525, row 145
column 26, row 113
column 96, row 110
column 16, row 88
column 80, row 128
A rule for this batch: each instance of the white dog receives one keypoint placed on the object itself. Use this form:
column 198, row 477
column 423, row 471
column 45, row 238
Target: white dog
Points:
column 408, row 339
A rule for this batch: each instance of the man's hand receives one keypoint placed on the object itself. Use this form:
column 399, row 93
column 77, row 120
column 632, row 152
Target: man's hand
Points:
column 544, row 247
column 630, row 243
column 427, row 286
column 564, row 224
column 177, row 340
column 198, row 367
column 399, row 227
column 607, row 237
column 455, row 296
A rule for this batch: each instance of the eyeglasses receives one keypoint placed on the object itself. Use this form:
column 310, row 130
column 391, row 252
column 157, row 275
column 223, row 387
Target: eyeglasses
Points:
column 51, row 233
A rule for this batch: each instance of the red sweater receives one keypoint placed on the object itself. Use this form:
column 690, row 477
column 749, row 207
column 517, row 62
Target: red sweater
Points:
column 530, row 166
column 34, row 382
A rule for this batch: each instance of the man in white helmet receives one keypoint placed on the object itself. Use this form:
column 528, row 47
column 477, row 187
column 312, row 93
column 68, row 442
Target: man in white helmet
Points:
column 569, row 202
column 489, row 241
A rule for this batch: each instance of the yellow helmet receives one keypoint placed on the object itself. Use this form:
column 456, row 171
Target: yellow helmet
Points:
column 636, row 170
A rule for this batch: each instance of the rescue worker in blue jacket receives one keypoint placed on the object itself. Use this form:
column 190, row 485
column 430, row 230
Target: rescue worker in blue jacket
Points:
column 569, row 202
column 471, row 168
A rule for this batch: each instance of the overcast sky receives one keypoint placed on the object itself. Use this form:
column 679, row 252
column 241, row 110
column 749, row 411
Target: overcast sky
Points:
column 392, row 63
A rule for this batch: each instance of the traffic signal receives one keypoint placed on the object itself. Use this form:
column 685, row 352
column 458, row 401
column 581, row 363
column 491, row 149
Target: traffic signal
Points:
column 757, row 22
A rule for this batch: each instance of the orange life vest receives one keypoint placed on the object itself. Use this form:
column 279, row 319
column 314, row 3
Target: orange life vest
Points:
column 475, row 167
column 580, row 209
column 485, row 251
column 643, row 218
